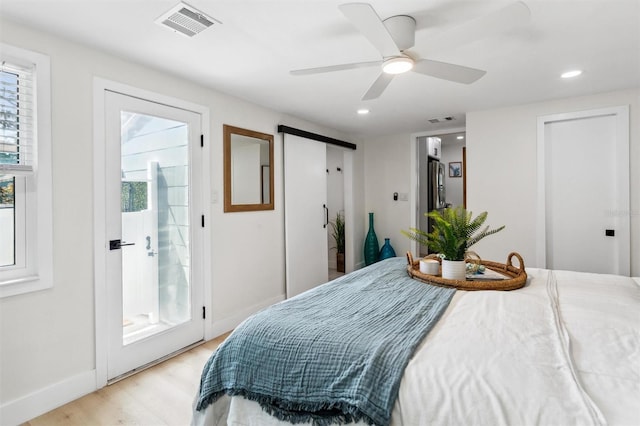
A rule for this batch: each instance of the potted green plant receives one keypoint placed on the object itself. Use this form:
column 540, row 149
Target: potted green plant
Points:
column 337, row 227
column 454, row 230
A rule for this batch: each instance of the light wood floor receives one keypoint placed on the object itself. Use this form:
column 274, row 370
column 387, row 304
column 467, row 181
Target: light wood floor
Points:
column 160, row 395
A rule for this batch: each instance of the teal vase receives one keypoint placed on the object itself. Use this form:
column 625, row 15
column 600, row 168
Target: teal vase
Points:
column 387, row 251
column 371, row 247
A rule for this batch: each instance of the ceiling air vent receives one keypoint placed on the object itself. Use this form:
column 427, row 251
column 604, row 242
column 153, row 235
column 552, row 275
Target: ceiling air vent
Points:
column 441, row 120
column 186, row 20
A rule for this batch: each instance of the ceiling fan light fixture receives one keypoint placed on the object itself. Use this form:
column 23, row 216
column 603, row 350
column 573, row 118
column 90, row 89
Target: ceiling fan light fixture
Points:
column 571, row 74
column 397, row 65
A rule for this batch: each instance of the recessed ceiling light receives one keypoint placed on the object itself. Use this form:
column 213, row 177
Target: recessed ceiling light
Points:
column 460, row 137
column 397, row 65
column 571, row 74
column 363, row 111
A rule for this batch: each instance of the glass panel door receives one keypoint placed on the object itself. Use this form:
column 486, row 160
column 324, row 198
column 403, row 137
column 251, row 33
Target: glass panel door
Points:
column 155, row 220
column 152, row 175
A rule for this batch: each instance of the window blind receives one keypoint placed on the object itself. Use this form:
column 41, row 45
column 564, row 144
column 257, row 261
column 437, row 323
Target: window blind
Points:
column 17, row 124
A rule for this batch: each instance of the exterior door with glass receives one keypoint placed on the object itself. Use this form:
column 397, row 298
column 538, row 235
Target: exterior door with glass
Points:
column 153, row 203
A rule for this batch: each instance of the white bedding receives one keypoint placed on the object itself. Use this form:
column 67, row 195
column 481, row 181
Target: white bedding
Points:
column 565, row 349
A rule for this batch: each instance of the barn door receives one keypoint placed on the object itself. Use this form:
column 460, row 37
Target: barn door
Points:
column 306, row 214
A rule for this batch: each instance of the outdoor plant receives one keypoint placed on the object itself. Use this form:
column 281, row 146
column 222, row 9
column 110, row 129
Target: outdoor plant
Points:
column 6, row 191
column 453, row 232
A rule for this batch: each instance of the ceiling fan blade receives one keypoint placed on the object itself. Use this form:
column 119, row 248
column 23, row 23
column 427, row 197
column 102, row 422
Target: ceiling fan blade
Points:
column 378, row 86
column 514, row 15
column 367, row 21
column 332, row 68
column 447, row 71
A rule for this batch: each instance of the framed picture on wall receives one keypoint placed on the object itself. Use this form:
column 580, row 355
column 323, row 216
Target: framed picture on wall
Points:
column 455, row 169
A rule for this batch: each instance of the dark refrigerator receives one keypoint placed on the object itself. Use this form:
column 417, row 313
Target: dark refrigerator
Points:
column 437, row 193
column 436, row 198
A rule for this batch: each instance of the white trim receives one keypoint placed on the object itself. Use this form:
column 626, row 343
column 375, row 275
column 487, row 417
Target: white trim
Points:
column 622, row 158
column 226, row 324
column 27, row 407
column 414, row 185
column 101, row 85
column 349, row 220
column 39, row 241
column 207, row 291
column 99, row 231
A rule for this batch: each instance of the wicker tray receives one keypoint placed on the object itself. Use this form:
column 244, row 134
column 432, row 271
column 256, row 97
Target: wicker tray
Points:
column 515, row 277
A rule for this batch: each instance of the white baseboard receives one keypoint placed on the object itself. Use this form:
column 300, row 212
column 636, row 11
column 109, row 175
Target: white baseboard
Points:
column 46, row 399
column 221, row 326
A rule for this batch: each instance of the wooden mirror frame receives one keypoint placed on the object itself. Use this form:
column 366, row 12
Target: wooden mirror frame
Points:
column 228, row 131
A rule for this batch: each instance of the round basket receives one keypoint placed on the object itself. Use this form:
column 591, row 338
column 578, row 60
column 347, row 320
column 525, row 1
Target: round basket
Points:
column 515, row 277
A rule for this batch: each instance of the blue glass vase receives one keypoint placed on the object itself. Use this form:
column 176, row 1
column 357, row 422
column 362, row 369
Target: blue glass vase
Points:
column 371, row 247
column 387, row 251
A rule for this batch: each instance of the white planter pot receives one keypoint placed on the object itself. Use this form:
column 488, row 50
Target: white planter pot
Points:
column 454, row 269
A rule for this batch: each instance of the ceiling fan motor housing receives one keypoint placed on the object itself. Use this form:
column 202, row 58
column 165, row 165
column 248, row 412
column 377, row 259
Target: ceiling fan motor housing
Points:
column 402, row 29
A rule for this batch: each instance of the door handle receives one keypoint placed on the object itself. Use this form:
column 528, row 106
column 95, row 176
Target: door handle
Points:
column 116, row 244
column 326, row 215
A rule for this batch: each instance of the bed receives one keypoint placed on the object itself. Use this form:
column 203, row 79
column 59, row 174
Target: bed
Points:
column 564, row 349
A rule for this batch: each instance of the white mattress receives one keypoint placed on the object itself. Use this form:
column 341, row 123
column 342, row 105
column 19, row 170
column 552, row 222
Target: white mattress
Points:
column 563, row 350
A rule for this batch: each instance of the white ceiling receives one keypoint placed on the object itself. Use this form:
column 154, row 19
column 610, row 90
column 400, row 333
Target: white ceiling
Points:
column 259, row 41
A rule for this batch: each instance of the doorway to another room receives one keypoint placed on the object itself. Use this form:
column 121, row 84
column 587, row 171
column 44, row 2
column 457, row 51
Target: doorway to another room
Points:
column 335, row 207
column 318, row 185
column 441, row 183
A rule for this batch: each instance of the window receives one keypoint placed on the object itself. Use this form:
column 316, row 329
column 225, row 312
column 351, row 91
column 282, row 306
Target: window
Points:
column 25, row 172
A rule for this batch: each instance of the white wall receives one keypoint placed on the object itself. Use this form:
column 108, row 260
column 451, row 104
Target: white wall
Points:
column 48, row 337
column 501, row 175
column 501, row 170
column 387, row 170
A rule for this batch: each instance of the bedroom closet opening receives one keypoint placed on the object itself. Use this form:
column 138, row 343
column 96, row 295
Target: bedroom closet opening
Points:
column 583, row 191
column 317, row 186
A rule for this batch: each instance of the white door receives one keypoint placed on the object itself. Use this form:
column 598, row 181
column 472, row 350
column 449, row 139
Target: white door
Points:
column 153, row 206
column 586, row 186
column 306, row 214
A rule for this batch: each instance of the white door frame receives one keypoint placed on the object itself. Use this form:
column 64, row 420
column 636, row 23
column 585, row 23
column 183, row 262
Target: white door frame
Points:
column 99, row 206
column 349, row 220
column 622, row 179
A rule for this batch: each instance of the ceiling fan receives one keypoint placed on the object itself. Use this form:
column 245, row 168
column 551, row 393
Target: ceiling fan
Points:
column 394, row 36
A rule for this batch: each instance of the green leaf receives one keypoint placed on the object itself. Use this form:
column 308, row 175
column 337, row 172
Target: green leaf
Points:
column 454, row 230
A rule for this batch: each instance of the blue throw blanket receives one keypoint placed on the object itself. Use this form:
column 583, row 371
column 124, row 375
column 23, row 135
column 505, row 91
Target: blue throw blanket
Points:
column 333, row 354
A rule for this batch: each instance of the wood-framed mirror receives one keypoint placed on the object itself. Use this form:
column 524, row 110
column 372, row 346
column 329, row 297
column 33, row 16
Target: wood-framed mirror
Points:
column 248, row 170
